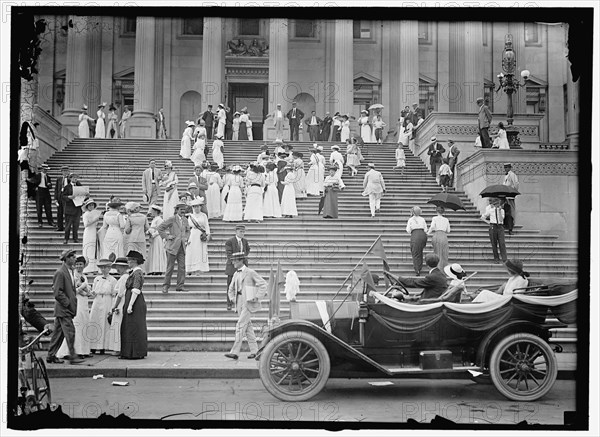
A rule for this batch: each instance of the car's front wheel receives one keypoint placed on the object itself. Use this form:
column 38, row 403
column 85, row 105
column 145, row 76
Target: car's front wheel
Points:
column 523, row 367
column 294, row 366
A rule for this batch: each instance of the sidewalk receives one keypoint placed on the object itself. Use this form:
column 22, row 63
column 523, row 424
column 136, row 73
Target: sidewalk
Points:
column 201, row 365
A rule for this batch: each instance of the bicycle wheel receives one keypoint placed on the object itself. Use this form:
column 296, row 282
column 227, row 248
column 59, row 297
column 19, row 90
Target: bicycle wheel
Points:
column 41, row 384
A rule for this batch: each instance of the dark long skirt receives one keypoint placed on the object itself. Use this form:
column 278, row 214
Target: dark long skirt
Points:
column 330, row 207
column 134, row 334
column 243, row 133
column 418, row 241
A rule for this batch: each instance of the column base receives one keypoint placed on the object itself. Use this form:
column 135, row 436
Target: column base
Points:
column 141, row 127
column 71, row 122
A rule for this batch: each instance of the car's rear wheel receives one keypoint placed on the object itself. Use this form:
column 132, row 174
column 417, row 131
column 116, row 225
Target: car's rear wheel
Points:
column 294, row 366
column 523, row 367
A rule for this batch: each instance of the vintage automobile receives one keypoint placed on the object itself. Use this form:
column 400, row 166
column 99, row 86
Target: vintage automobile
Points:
column 380, row 337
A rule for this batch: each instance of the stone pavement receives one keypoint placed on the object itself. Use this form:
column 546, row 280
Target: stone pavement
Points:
column 201, row 365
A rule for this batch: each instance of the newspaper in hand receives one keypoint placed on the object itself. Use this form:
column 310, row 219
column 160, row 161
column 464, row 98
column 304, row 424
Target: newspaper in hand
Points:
column 79, row 194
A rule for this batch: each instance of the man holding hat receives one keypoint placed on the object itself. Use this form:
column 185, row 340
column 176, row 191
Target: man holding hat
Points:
column 61, row 183
column 295, row 116
column 246, row 290
column 175, row 231
column 150, row 182
column 435, row 152
column 277, row 116
column 43, row 197
column 512, row 181
column 209, row 117
column 72, row 211
column 65, row 308
column 325, row 128
column 233, row 245
column 484, row 119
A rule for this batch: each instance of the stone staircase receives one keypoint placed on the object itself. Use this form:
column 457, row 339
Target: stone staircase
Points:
column 322, row 252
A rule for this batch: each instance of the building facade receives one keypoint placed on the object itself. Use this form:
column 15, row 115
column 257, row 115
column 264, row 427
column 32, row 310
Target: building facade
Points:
column 184, row 64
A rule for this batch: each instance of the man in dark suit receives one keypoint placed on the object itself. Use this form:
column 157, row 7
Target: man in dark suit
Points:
column 415, row 113
column 435, row 152
column 313, row 122
column 72, row 211
column 43, row 198
column 233, row 245
column 295, row 117
column 325, row 128
column 452, row 159
column 65, row 308
column 209, row 118
column 61, row 182
column 175, row 231
column 228, row 124
column 434, row 284
column 484, row 119
column 200, row 182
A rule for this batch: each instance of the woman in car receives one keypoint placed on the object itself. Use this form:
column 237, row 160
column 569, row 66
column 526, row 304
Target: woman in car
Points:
column 517, row 279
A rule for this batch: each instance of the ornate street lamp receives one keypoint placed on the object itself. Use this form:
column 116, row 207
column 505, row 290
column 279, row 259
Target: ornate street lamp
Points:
column 509, row 85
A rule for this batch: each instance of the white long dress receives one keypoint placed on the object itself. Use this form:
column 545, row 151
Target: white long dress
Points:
column 80, row 321
column 271, row 205
column 113, row 239
column 502, row 139
column 233, row 211
column 213, row 194
column 100, row 127
column 225, row 192
column 114, row 332
column 186, row 143
column 300, row 184
column 198, row 156
column 314, row 182
column 365, row 129
column 254, row 197
column 337, row 159
column 84, row 127
column 288, row 198
column 90, row 242
column 405, row 135
column 249, row 128
column 171, row 198
column 196, row 254
column 345, row 131
column 99, row 327
column 217, row 153
column 157, row 257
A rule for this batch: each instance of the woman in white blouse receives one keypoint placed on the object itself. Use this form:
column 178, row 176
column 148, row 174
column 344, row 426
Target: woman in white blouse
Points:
column 440, row 228
column 518, row 279
column 416, row 227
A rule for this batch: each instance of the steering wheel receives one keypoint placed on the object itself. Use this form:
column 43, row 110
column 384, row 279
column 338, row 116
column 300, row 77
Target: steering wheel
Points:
column 397, row 287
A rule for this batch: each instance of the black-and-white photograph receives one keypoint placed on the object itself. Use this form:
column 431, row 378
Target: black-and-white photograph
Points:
column 330, row 217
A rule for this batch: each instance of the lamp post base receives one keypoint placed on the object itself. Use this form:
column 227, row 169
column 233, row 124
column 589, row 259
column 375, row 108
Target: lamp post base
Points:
column 512, row 135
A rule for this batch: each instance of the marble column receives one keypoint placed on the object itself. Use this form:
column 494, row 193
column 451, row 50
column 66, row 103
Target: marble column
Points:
column 555, row 104
column 92, row 92
column 390, row 97
column 107, row 67
column 212, row 87
column 473, row 85
column 142, row 124
column 278, row 64
column 572, row 110
column 76, row 76
column 443, row 63
column 408, row 78
column 455, row 94
column 343, row 59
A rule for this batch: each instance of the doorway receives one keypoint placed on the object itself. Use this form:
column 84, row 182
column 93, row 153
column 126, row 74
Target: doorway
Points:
column 252, row 96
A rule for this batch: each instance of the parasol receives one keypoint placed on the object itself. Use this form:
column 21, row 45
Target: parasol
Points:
column 499, row 191
column 447, row 200
column 376, row 106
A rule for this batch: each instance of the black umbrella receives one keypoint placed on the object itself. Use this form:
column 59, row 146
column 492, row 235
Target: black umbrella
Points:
column 499, row 191
column 447, row 200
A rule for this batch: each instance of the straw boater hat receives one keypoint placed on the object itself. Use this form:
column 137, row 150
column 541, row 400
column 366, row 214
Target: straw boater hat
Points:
column 238, row 256
column 112, row 108
column 180, row 205
column 102, row 105
column 433, row 138
column 156, row 208
column 132, row 206
column 89, row 201
column 221, row 105
column 84, row 107
column 455, row 271
column 82, row 259
column 121, row 261
column 240, row 226
column 136, row 256
column 371, row 164
column 192, row 185
column 114, row 202
column 236, row 168
column 190, row 123
column 104, row 262
column 66, row 253
column 197, row 201
column 508, row 164
column 335, row 147
column 234, row 114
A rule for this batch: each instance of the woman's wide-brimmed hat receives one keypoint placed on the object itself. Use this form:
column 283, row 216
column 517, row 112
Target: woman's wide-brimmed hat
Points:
column 190, row 123
column 455, row 271
column 89, row 201
column 114, row 202
column 515, row 266
column 84, row 107
column 197, row 201
column 112, row 108
column 132, row 206
column 136, row 256
column 82, row 259
column 104, row 262
column 102, row 105
column 121, row 261
column 335, row 147
column 236, row 168
column 298, row 154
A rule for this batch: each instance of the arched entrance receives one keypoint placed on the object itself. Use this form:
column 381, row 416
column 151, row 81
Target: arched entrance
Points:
column 189, row 108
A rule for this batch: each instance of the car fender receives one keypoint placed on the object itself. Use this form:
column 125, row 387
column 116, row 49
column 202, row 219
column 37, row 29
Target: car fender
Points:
column 493, row 337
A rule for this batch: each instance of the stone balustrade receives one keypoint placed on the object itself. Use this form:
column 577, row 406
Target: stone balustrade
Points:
column 52, row 135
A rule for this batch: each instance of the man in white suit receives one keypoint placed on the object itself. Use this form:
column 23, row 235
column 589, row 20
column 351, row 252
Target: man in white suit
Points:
column 150, row 179
column 374, row 187
column 246, row 290
column 176, row 232
column 278, row 117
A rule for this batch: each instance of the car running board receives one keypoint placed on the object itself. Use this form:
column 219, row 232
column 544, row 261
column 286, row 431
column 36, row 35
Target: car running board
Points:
column 418, row 370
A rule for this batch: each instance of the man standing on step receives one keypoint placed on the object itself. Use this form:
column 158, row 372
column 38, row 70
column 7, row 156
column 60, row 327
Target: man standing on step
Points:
column 453, row 159
column 161, row 125
column 484, row 119
column 43, row 198
column 495, row 215
column 512, row 181
column 246, row 290
column 61, row 183
column 374, row 187
column 175, row 231
column 295, row 117
column 325, row 128
column 277, row 116
column 65, row 308
column 435, row 153
column 150, row 183
column 209, row 117
column 72, row 212
column 233, row 245
column 313, row 123
column 228, row 123
column 222, row 121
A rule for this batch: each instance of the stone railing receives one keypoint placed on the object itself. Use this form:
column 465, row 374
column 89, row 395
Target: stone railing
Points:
column 52, row 135
column 549, row 186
